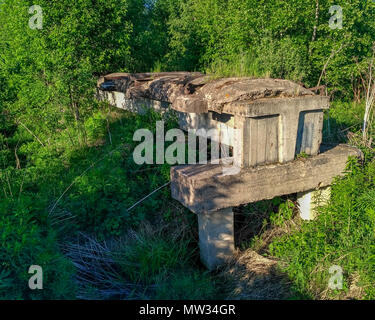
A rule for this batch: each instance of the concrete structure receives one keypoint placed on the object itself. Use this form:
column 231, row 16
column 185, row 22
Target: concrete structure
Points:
column 216, row 236
column 204, row 188
column 275, row 119
column 310, row 200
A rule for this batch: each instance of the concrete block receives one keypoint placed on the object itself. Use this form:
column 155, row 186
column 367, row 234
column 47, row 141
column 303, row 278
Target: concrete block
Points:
column 209, row 121
column 204, row 188
column 216, row 237
column 139, row 105
column 310, row 200
column 257, row 140
column 276, row 130
column 309, row 135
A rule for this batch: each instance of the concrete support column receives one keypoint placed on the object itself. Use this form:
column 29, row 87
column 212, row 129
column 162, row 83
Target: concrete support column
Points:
column 310, row 200
column 216, row 237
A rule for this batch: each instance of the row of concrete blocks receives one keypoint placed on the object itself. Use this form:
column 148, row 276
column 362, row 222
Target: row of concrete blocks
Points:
column 270, row 131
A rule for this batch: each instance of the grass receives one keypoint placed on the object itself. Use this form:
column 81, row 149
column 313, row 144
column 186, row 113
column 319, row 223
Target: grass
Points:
column 241, row 65
column 146, row 263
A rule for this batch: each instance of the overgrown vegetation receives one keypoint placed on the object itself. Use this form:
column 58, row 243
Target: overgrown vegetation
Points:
column 67, row 176
column 342, row 235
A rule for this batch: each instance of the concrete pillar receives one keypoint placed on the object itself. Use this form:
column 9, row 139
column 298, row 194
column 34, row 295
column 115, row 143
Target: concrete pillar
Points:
column 308, row 201
column 288, row 135
column 216, row 237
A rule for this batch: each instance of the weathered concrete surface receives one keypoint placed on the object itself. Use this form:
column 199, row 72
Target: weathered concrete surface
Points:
column 216, row 237
column 223, row 123
column 310, row 200
column 204, row 188
column 140, row 105
column 283, row 127
column 163, row 86
column 274, row 119
column 193, row 92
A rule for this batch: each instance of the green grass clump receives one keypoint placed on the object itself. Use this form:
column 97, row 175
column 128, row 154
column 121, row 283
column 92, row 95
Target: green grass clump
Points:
column 146, row 258
column 240, row 65
column 342, row 118
column 148, row 263
column 187, row 285
column 165, row 266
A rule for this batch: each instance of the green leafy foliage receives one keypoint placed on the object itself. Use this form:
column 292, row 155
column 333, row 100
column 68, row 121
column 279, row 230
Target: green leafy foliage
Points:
column 282, row 39
column 284, row 213
column 26, row 240
column 47, row 126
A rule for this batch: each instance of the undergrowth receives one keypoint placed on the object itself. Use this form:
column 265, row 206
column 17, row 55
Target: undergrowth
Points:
column 70, row 188
column 147, row 263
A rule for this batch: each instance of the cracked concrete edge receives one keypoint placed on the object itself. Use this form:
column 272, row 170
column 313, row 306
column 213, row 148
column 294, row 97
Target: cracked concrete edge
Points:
column 198, row 93
column 203, row 188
